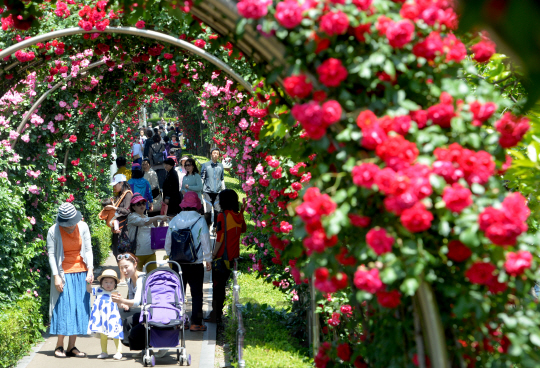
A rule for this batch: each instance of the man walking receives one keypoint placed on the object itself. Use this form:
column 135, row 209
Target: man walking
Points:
column 212, row 175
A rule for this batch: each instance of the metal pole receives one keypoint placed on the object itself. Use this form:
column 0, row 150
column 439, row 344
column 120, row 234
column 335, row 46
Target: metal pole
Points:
column 158, row 36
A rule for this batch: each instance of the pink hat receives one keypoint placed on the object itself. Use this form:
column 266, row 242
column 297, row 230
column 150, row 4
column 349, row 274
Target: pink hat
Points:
column 191, row 199
column 137, row 197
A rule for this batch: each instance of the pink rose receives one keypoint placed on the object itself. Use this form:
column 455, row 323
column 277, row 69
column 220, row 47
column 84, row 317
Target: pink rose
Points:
column 517, row 262
column 253, row 9
column 379, row 241
column 288, row 13
column 332, row 72
column 400, row 33
column 368, row 280
column 457, row 197
column 334, row 23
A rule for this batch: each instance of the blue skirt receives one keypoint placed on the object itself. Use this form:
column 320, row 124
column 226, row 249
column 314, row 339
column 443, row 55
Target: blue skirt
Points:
column 71, row 313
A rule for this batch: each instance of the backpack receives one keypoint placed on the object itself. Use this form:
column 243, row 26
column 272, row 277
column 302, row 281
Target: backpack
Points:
column 157, row 158
column 183, row 246
column 140, row 186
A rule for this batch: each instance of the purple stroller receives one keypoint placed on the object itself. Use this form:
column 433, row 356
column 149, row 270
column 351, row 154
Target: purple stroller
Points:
column 162, row 312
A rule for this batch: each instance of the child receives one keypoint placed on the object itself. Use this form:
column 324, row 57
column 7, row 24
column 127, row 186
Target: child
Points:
column 105, row 317
column 108, row 214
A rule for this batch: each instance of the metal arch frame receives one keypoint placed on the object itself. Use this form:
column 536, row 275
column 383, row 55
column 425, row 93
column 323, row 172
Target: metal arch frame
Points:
column 44, row 96
column 132, row 31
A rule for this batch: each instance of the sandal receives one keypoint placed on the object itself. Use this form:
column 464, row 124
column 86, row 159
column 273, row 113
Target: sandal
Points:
column 61, row 350
column 197, row 328
column 70, row 353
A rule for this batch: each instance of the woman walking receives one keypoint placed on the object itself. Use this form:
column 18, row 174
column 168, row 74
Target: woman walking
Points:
column 157, row 157
column 193, row 273
column 171, row 195
column 121, row 202
column 181, row 170
column 230, row 225
column 139, row 229
column 192, row 181
column 72, row 265
column 140, row 185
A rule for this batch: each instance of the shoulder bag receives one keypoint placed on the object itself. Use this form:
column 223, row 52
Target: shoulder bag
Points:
column 126, row 245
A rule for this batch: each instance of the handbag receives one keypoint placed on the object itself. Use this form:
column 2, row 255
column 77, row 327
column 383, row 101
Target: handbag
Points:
column 157, row 237
column 155, row 192
column 157, row 157
column 183, row 245
column 222, row 264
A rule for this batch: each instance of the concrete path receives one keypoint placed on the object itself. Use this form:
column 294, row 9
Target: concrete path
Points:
column 198, row 344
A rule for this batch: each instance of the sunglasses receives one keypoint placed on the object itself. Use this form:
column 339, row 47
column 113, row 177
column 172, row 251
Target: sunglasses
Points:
column 141, row 203
column 123, row 256
column 186, row 165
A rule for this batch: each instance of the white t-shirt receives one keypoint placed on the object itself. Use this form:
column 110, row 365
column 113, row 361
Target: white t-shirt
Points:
column 136, row 224
column 137, row 150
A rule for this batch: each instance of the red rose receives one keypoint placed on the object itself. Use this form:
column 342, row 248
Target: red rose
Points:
column 285, row 227
column 441, row 114
column 252, row 9
column 480, row 272
column 400, row 33
column 505, row 233
column 397, row 152
column 495, row 287
column 454, row 48
column 457, row 251
column 482, row 112
column 366, row 119
column 73, row 139
column 409, row 11
column 420, row 117
column 383, row 23
column 321, row 274
column 512, row 129
column 517, row 262
column 364, row 175
column 200, row 43
column 298, row 86
column 334, row 23
column 430, row 47
column 361, row 30
column 140, row 24
column 416, row 218
column 288, row 13
column 389, row 299
column 515, row 207
column 379, row 241
column 310, row 115
column 168, row 56
column 373, row 136
column 331, row 112
column 457, row 197
column 368, row 280
column 332, row 72
column 483, row 50
column 344, row 352
column 358, row 220
column 346, row 309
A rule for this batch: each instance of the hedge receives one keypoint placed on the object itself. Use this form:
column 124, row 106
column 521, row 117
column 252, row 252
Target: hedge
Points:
column 20, row 328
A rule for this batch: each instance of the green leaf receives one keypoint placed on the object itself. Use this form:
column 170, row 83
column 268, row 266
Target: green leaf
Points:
column 409, row 286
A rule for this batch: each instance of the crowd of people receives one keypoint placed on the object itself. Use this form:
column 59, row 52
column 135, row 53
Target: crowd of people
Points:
column 161, row 189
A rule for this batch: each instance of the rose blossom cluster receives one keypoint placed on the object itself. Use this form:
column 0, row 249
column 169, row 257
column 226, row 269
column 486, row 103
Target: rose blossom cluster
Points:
column 314, row 206
column 369, row 280
column 503, row 226
column 94, row 17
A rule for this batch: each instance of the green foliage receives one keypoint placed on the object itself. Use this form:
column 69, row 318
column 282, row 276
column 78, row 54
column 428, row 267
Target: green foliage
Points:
column 21, row 325
column 101, row 244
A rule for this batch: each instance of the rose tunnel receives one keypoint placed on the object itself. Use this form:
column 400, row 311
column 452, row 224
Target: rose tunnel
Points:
column 373, row 168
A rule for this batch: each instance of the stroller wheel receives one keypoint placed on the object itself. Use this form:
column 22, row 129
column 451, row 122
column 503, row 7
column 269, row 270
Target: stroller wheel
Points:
column 189, row 359
column 153, row 360
column 181, row 361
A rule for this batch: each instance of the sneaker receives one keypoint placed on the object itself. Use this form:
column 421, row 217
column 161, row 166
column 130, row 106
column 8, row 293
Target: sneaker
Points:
column 103, row 356
column 137, row 355
column 161, row 353
column 117, row 356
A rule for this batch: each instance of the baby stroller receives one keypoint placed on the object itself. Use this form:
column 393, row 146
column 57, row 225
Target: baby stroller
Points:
column 162, row 312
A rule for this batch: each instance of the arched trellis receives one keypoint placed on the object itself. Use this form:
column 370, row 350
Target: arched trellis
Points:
column 268, row 50
column 120, row 30
column 133, row 32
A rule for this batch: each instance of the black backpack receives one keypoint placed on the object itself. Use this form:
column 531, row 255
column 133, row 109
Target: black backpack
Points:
column 183, row 246
column 157, row 158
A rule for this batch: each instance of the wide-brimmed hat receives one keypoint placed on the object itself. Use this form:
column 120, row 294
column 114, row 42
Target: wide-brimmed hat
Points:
column 68, row 215
column 108, row 273
column 184, row 158
column 118, row 178
column 191, row 199
column 169, row 161
column 137, row 197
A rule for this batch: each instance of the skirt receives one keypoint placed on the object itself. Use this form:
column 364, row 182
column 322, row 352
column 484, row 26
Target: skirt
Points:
column 71, row 313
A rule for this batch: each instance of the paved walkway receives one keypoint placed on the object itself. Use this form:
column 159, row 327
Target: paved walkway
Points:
column 200, row 345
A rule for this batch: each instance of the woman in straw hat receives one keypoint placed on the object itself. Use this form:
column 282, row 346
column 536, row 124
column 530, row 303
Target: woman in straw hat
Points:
column 71, row 261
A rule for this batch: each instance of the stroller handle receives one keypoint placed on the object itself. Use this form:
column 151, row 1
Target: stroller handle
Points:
column 163, row 263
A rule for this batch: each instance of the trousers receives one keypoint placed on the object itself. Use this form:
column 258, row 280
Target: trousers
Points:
column 193, row 274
